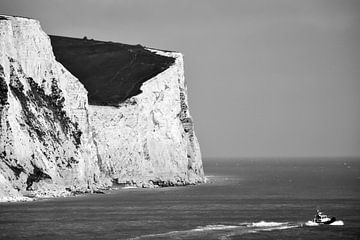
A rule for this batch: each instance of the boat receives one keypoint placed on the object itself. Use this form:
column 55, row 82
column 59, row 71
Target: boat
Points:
column 321, row 218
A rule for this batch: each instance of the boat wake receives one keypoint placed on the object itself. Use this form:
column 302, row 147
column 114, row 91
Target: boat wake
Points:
column 222, row 232
column 270, row 226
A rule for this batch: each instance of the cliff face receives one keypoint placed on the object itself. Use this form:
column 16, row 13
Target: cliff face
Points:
column 52, row 142
column 142, row 126
column 45, row 143
column 150, row 139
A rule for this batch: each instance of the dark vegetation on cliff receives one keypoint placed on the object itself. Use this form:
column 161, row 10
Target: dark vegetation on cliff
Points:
column 53, row 103
column 3, row 88
column 111, row 72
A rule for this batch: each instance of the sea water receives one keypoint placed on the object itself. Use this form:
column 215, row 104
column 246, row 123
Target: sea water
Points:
column 243, row 199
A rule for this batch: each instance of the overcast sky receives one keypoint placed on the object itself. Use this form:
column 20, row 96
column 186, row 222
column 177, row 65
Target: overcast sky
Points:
column 265, row 78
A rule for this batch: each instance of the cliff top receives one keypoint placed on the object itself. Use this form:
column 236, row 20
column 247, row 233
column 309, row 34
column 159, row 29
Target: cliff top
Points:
column 12, row 17
column 111, row 72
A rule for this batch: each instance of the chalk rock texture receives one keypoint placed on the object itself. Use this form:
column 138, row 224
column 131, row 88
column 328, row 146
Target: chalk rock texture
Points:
column 46, row 148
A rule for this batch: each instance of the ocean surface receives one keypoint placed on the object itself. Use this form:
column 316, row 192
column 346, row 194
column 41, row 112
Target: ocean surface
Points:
column 244, row 199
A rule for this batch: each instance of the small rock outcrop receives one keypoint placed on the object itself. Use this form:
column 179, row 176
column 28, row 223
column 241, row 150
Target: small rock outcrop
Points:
column 137, row 129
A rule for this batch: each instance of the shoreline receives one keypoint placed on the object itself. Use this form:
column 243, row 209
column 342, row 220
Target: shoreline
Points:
column 101, row 191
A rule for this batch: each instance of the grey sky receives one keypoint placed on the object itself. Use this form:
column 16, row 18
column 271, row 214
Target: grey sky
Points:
column 265, row 78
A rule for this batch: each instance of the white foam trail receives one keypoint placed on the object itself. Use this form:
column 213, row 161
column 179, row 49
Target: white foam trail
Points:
column 184, row 232
column 267, row 224
column 271, row 226
column 311, row 224
column 241, row 228
column 213, row 228
column 156, row 235
column 278, row 228
column 337, row 223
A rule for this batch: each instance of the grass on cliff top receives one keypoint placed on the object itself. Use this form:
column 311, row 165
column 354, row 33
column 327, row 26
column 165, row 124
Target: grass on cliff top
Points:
column 111, row 72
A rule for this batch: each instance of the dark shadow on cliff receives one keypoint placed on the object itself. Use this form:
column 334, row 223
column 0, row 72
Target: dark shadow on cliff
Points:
column 111, row 72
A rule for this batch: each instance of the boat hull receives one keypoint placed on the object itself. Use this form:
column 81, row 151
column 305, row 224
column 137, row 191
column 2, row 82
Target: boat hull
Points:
column 333, row 219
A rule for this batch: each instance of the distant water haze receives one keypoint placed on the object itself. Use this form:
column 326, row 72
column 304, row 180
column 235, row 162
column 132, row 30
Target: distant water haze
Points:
column 265, row 78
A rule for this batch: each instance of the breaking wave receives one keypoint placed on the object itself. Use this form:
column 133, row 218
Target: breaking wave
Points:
column 222, row 231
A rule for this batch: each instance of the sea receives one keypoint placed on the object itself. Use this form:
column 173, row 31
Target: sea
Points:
column 243, row 199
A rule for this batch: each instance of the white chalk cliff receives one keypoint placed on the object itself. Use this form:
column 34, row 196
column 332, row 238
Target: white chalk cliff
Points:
column 53, row 143
column 45, row 143
column 150, row 138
